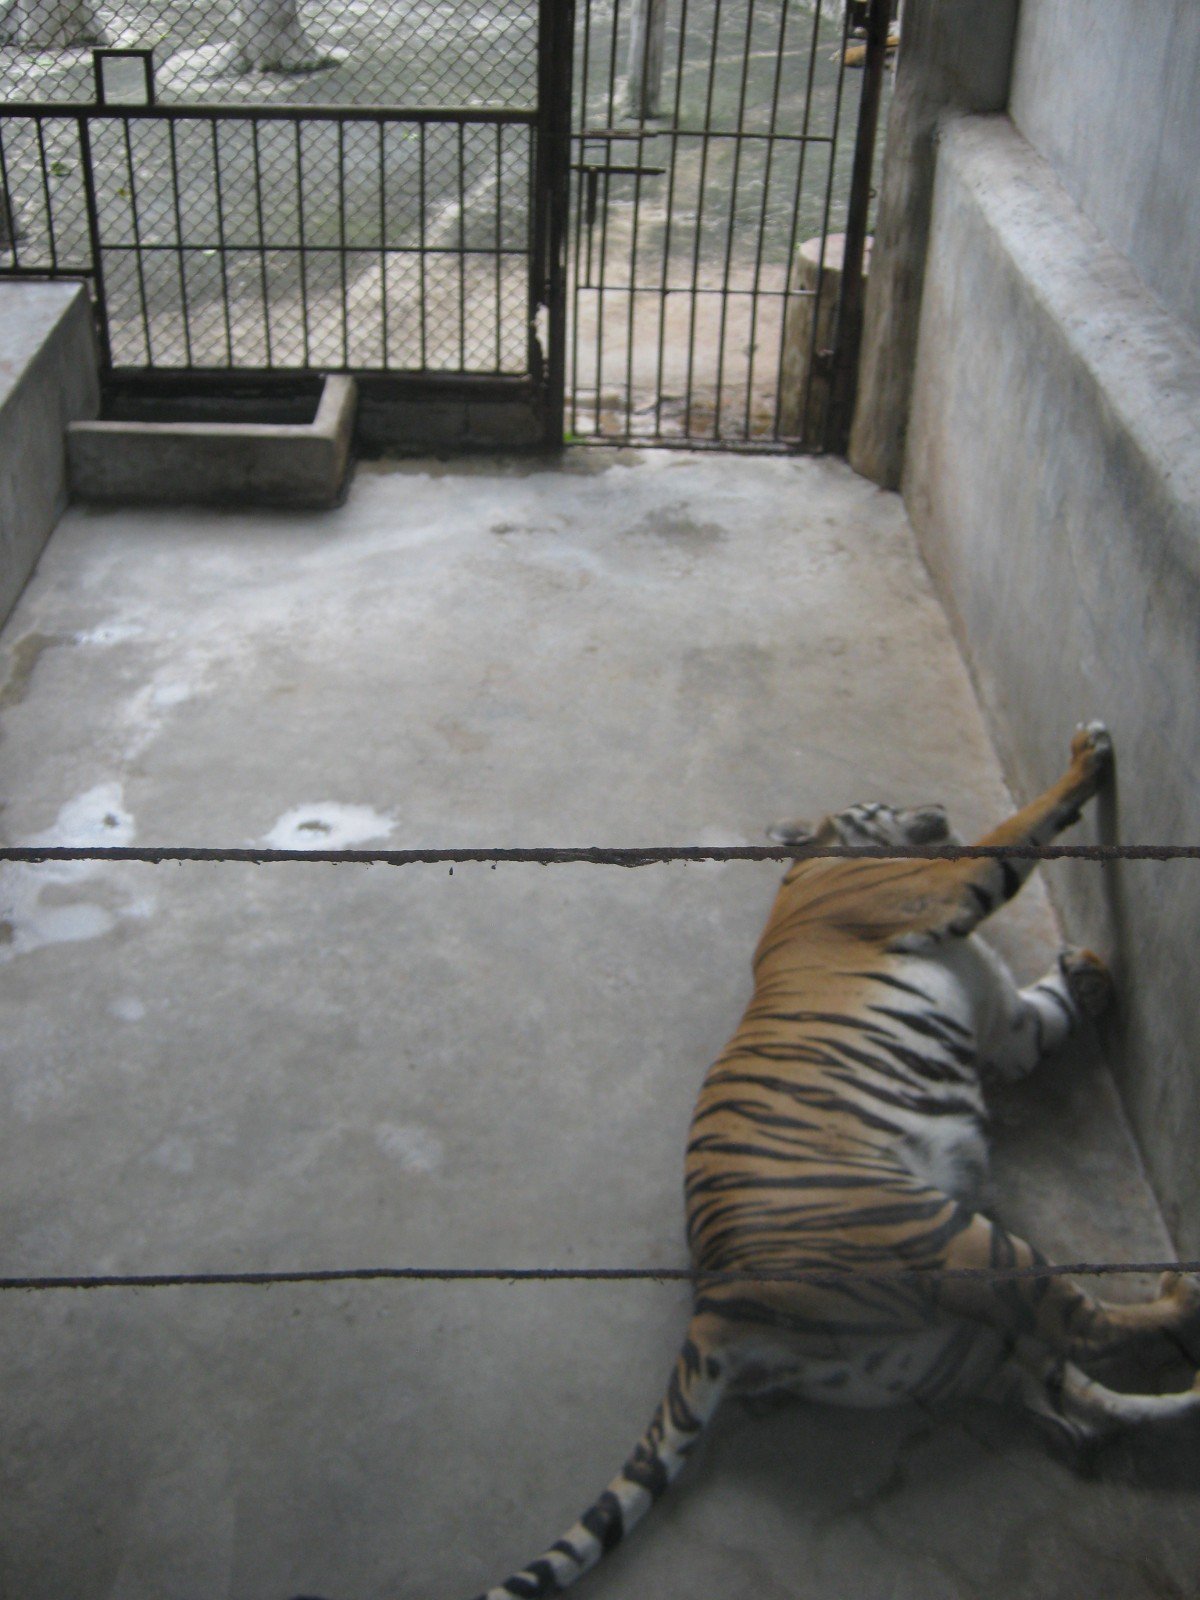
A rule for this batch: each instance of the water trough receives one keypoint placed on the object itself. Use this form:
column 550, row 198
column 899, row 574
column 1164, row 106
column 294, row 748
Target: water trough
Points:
column 259, row 451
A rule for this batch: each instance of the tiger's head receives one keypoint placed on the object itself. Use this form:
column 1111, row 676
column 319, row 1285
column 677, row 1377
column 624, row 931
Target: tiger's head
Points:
column 870, row 823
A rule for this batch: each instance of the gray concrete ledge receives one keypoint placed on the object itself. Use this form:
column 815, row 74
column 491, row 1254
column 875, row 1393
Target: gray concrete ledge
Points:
column 1053, row 479
column 218, row 463
column 48, row 375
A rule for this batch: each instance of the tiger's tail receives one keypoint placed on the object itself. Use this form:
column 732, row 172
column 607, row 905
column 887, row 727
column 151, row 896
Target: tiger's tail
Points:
column 693, row 1395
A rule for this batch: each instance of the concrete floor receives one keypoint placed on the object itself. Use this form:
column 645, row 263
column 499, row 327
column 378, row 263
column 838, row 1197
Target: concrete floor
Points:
column 211, row 1067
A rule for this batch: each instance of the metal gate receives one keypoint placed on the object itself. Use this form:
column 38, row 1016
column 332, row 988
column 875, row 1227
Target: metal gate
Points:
column 719, row 144
column 257, row 189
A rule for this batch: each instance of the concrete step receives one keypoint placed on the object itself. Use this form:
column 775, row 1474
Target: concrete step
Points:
column 187, row 457
column 48, row 375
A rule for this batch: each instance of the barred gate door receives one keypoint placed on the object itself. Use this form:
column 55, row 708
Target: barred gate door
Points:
column 266, row 188
column 714, row 160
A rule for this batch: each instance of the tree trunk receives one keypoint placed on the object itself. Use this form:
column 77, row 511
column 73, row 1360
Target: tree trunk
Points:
column 647, row 22
column 51, row 24
column 270, row 39
column 804, row 389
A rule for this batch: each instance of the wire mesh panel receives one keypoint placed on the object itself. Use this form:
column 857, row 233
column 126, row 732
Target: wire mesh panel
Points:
column 366, row 52
column 712, row 138
column 265, row 186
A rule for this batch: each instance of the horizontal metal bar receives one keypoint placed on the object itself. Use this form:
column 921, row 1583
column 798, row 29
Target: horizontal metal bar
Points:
column 45, row 272
column 696, row 1275
column 89, row 112
column 738, row 444
column 695, row 289
column 598, row 855
column 256, row 248
column 376, row 383
column 722, row 133
column 284, row 370
column 620, row 133
column 634, row 172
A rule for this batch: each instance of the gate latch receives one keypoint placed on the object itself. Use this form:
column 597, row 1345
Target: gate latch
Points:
column 592, row 185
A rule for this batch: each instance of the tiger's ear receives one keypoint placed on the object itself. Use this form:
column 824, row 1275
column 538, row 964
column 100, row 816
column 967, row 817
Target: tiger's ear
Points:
column 794, row 832
column 928, row 824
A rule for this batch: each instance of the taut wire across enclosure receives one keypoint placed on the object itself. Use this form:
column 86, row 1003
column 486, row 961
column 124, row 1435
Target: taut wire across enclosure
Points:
column 596, row 856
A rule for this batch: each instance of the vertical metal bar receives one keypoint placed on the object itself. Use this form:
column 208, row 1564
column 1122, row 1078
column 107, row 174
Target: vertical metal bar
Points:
column 848, row 334
column 262, row 240
column 499, row 244
column 772, row 127
column 601, row 287
column 462, row 252
column 733, row 196
column 554, row 135
column 704, row 143
column 581, row 93
column 540, row 192
column 789, row 258
column 603, row 212
column 341, row 150
column 183, row 294
column 383, row 288
column 812, row 358
column 632, row 293
column 222, row 249
column 93, row 218
column 10, row 214
column 666, row 266
column 610, row 110
column 421, row 256
column 137, row 243
column 302, row 243
column 637, row 211
column 49, row 201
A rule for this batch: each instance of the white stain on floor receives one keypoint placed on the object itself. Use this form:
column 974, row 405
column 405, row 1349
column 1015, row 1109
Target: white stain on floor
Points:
column 414, row 1149
column 127, row 1008
column 328, row 825
column 96, row 817
column 110, row 633
column 56, row 902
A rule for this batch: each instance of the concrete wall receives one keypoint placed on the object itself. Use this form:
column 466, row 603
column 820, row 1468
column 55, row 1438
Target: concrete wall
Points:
column 48, row 377
column 1053, row 477
column 1106, row 90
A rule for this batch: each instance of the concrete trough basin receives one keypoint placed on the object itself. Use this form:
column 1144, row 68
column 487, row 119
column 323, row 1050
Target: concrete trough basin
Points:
column 290, row 452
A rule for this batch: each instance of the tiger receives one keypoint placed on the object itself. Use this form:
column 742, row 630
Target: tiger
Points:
column 842, row 1129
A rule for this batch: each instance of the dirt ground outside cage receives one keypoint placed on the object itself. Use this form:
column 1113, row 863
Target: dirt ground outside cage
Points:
column 210, row 1067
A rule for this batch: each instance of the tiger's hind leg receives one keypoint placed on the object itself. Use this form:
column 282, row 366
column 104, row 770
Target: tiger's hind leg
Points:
column 1076, row 1410
column 1056, row 1312
column 1039, row 1018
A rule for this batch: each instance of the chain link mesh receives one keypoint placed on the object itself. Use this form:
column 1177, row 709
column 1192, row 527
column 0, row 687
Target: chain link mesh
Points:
column 262, row 52
column 243, row 241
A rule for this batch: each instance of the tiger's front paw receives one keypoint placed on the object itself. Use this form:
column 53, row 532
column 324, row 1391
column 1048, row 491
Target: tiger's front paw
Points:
column 1184, row 1291
column 1092, row 748
column 1088, row 979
